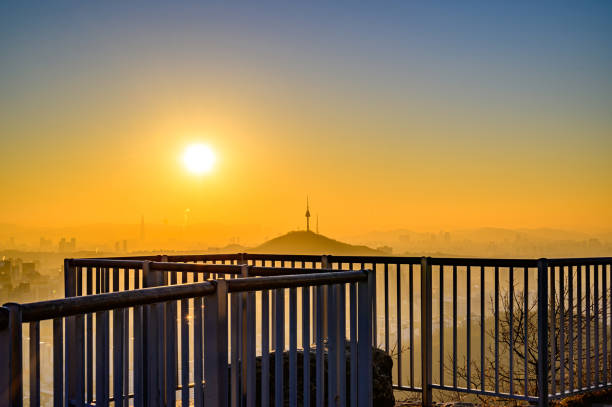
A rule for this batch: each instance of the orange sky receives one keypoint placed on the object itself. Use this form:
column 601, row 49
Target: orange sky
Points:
column 385, row 134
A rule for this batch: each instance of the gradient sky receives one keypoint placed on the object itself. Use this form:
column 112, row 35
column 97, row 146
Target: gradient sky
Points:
column 416, row 115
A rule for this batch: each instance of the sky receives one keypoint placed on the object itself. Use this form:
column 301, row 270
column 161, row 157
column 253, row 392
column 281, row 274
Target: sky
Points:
column 418, row 115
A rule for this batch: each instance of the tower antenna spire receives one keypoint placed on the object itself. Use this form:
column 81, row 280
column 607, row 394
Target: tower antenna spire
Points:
column 307, row 215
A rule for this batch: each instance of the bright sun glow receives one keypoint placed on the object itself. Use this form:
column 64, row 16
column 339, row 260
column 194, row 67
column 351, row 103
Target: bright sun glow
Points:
column 198, row 158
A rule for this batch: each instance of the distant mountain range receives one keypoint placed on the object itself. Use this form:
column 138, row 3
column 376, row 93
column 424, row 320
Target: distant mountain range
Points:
column 492, row 242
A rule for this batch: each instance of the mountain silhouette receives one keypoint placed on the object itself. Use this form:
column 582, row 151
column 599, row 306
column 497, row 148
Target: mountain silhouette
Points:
column 303, row 242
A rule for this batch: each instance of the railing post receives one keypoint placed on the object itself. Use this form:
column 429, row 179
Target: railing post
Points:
column 5, row 346
column 165, row 345
column 373, row 301
column 364, row 343
column 153, row 341
column 69, row 327
column 11, row 371
column 426, row 335
column 69, row 278
column 247, row 303
column 215, row 346
column 325, row 264
column 74, row 367
column 332, row 346
column 543, row 362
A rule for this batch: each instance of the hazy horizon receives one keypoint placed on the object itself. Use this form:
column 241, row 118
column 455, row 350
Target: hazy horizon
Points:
column 207, row 237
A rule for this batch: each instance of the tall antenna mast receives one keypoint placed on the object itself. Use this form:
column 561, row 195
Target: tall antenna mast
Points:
column 307, row 215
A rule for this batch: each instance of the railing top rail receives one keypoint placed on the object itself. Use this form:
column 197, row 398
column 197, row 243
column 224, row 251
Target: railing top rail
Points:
column 299, row 280
column 467, row 261
column 136, row 261
column 157, row 265
column 38, row 311
column 197, row 267
column 43, row 310
column 132, row 264
column 375, row 259
column 284, row 271
column 177, row 257
column 156, row 257
column 580, row 261
column 204, row 257
column 283, row 257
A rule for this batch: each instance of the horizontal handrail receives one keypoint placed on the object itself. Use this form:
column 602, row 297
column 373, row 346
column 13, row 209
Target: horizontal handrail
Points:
column 42, row 310
column 130, row 261
column 580, row 261
column 156, row 265
column 132, row 264
column 282, row 257
column 204, row 257
column 283, row 271
column 157, row 257
column 289, row 281
column 197, row 267
column 374, row 259
column 180, row 257
column 467, row 261
column 38, row 311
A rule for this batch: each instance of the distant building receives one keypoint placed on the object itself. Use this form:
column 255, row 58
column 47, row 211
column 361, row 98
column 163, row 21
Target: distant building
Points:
column 28, row 271
column 6, row 276
column 67, row 246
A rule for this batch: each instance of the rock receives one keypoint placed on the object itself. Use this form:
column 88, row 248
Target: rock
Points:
column 382, row 377
column 382, row 385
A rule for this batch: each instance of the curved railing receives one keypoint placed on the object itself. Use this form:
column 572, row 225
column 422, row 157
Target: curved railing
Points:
column 524, row 329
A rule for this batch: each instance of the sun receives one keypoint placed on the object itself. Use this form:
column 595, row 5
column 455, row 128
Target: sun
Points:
column 199, row 158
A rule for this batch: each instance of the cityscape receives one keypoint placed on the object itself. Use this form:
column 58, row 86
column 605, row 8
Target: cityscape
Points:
column 365, row 204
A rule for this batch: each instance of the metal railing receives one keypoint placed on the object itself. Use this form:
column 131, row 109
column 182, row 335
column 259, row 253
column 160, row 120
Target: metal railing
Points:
column 120, row 344
column 524, row 329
